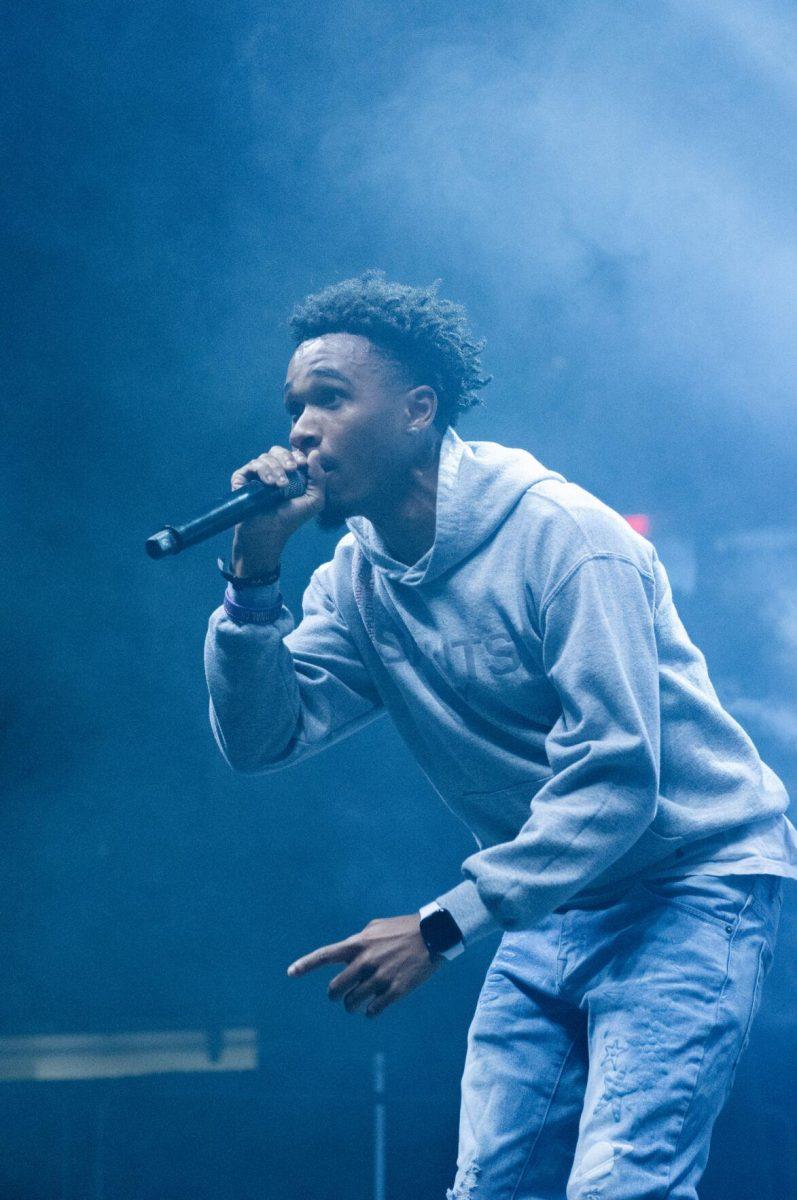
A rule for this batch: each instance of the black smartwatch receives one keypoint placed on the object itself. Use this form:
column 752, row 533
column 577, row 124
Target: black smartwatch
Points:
column 440, row 932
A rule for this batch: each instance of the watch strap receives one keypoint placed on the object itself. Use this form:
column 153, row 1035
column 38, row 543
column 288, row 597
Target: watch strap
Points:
column 440, row 932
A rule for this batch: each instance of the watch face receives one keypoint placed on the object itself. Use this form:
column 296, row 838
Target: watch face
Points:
column 440, row 931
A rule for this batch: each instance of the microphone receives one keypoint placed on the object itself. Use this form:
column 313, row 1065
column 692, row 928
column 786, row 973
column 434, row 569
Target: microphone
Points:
column 253, row 497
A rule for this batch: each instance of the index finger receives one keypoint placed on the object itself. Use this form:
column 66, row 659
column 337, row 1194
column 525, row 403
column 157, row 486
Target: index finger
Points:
column 334, row 953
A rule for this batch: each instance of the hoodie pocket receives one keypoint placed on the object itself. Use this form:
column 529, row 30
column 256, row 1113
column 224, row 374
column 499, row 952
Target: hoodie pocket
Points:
column 497, row 816
column 649, row 849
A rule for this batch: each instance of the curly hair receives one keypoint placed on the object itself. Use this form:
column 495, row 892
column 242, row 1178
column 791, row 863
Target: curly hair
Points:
column 429, row 337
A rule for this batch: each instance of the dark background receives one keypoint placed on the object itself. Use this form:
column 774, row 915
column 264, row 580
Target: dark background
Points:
column 610, row 191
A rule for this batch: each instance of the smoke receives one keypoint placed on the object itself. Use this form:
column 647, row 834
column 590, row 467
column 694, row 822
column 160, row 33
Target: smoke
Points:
column 631, row 164
column 777, row 717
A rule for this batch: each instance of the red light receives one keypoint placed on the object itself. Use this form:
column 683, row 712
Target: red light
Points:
column 640, row 522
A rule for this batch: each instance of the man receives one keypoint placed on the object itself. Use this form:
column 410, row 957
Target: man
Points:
column 525, row 642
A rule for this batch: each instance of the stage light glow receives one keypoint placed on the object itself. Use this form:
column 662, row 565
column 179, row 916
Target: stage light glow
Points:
column 640, row 522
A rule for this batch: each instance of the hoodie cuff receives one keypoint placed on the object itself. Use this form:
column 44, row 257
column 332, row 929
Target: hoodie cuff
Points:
column 469, row 911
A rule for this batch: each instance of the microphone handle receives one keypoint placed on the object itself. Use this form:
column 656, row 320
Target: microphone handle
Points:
column 253, row 497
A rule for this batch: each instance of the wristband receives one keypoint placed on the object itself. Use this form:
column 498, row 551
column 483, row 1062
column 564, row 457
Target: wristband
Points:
column 252, row 616
column 247, row 581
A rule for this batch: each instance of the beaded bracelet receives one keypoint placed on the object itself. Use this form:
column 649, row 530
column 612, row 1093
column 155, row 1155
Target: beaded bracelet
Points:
column 247, row 581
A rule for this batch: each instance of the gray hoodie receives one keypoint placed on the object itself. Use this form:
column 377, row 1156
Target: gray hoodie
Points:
column 535, row 664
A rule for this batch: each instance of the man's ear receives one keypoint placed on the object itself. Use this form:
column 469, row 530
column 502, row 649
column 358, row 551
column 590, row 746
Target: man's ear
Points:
column 421, row 407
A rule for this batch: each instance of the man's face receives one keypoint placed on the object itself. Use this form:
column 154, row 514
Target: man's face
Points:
column 344, row 400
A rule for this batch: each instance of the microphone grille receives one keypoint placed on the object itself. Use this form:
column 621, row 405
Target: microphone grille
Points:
column 296, row 486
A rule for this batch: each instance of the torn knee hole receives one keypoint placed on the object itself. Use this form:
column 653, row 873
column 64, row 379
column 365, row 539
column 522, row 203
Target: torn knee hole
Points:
column 465, row 1182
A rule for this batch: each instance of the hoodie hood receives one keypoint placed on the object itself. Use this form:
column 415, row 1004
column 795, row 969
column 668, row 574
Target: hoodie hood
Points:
column 478, row 485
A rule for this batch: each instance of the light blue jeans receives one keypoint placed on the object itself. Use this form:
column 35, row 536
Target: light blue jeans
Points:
column 605, row 1042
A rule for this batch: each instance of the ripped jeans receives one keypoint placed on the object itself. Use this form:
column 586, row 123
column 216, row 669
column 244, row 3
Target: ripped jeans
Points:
column 605, row 1042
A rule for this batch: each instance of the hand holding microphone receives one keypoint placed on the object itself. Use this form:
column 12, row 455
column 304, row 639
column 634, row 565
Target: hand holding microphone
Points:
column 258, row 542
column 272, row 496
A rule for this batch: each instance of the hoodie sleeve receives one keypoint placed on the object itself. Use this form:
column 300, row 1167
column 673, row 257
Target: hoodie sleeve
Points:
column 278, row 693
column 599, row 652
